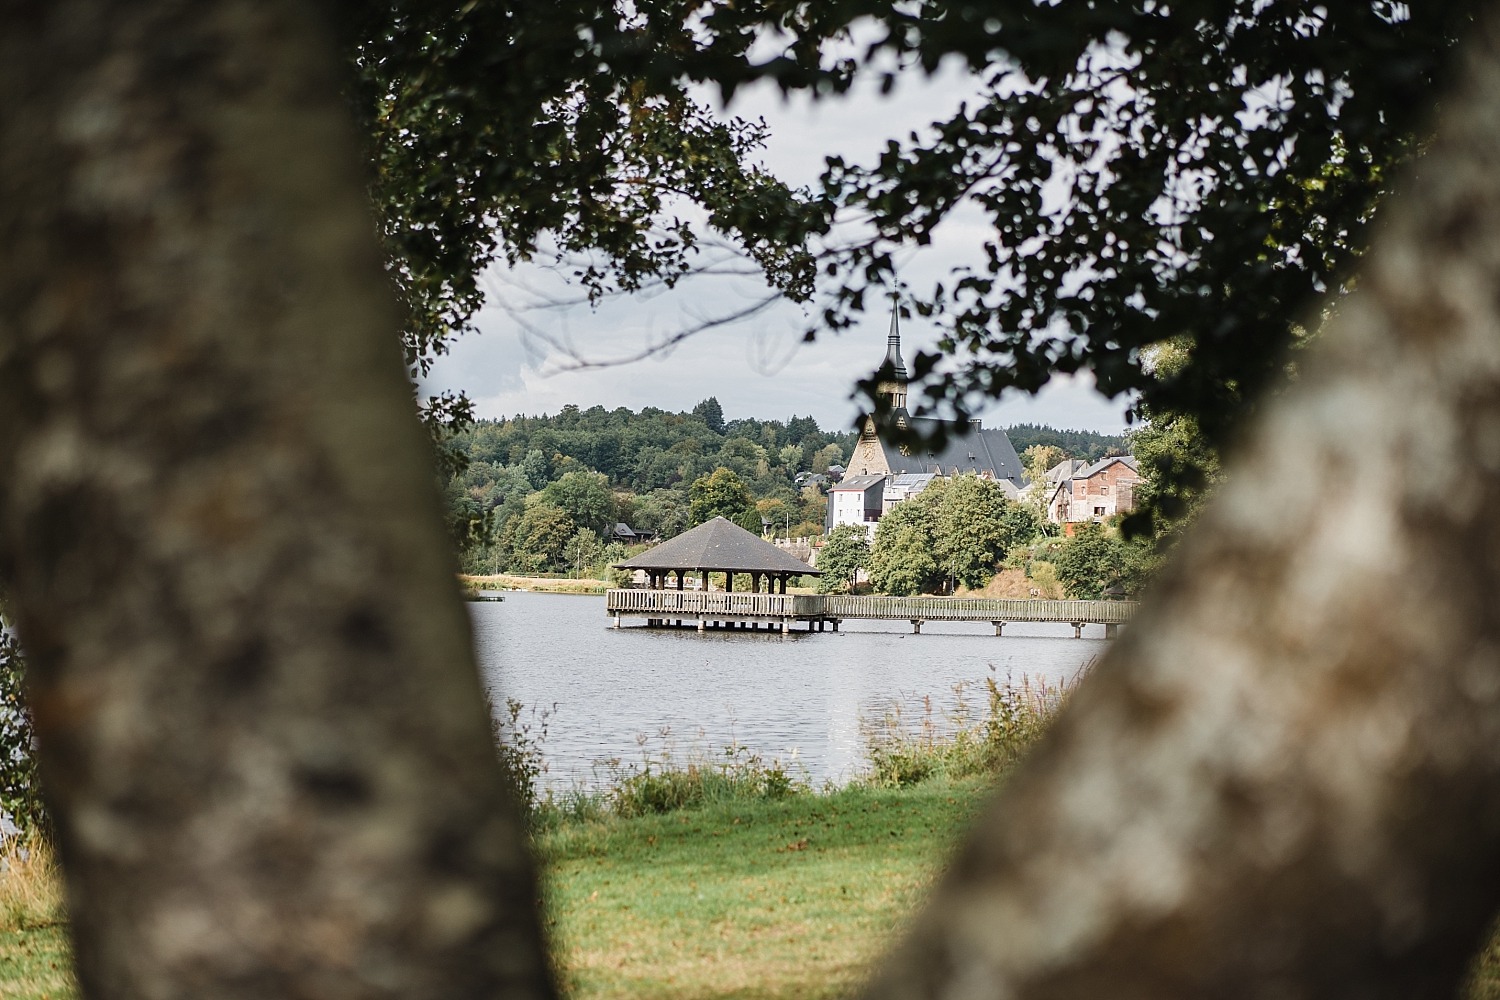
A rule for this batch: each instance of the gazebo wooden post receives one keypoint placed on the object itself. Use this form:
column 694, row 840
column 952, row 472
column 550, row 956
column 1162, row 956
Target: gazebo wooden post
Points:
column 680, row 574
column 705, row 581
column 729, row 581
column 754, row 583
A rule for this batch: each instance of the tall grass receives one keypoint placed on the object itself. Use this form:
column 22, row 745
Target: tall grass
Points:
column 31, row 893
column 962, row 742
column 666, row 782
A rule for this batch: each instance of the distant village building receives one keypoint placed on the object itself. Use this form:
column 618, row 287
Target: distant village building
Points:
column 882, row 473
column 624, row 533
column 1080, row 492
column 903, row 486
column 856, row 500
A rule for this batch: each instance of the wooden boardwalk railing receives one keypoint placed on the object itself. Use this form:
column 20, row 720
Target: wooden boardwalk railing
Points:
column 665, row 605
column 978, row 609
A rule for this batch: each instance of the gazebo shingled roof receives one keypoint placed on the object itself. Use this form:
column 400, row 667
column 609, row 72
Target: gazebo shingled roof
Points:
column 718, row 546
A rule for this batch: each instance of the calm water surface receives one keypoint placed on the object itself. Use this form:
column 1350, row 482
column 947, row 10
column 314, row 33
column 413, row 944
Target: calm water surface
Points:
column 619, row 694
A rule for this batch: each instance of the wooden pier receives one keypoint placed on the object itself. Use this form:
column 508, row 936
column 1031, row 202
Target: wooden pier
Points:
column 720, row 609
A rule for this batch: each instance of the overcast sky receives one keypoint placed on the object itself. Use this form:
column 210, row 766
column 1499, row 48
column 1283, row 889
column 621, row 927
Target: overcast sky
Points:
column 757, row 367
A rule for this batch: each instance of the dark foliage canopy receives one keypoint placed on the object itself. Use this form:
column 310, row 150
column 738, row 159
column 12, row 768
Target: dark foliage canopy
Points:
column 1200, row 170
column 1203, row 169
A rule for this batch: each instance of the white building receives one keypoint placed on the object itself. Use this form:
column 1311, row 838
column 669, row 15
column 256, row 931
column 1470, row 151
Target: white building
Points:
column 857, row 500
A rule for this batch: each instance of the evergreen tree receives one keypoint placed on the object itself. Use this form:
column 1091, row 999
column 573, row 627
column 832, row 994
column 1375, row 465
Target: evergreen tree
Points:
column 711, row 413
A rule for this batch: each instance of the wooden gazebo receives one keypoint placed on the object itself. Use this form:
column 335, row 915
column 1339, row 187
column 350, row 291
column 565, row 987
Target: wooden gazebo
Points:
column 718, row 546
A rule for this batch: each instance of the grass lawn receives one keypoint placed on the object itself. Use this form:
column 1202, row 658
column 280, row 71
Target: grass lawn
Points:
column 792, row 898
column 35, row 964
column 788, row 898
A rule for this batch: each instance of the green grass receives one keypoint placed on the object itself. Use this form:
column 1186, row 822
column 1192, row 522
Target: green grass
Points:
column 36, row 964
column 35, row 961
column 792, row 897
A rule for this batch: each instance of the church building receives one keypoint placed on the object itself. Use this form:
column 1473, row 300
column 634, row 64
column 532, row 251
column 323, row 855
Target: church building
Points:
column 883, row 473
column 987, row 453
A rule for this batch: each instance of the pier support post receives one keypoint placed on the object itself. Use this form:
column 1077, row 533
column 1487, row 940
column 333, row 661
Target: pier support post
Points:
column 617, row 621
column 1110, row 630
column 785, row 626
column 835, row 624
column 701, row 626
column 916, row 626
column 999, row 627
column 1077, row 630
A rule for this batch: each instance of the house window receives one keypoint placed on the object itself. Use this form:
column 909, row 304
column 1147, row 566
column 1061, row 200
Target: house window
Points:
column 1098, row 511
column 1103, row 487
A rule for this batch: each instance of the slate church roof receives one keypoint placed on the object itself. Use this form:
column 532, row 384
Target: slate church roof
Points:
column 717, row 546
column 976, row 450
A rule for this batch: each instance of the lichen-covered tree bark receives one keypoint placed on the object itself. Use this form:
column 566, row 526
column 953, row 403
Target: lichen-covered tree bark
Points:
column 260, row 723
column 1284, row 780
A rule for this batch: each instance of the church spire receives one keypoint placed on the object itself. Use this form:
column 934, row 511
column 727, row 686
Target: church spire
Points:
column 893, row 388
column 893, row 342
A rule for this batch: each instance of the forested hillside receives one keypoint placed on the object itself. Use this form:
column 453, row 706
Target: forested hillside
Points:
column 542, row 494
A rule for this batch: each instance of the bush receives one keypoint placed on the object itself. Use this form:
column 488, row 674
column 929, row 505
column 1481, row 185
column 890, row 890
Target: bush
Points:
column 20, row 786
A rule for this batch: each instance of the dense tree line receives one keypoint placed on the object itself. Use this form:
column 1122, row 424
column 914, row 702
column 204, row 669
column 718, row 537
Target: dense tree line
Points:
column 541, row 494
column 1087, row 445
column 531, row 486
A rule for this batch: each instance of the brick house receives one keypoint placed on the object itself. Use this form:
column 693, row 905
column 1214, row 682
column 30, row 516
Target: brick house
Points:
column 1096, row 492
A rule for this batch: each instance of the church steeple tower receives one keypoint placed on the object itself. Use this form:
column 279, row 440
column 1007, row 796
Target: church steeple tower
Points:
column 894, row 387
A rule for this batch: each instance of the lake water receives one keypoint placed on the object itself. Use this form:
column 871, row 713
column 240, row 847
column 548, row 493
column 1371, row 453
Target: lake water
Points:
column 622, row 693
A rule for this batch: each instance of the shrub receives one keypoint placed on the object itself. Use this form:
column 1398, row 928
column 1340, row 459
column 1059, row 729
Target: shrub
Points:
column 20, row 786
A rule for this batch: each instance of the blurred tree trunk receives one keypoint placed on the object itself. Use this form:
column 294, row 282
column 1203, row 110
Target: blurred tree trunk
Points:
column 260, row 722
column 1284, row 780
